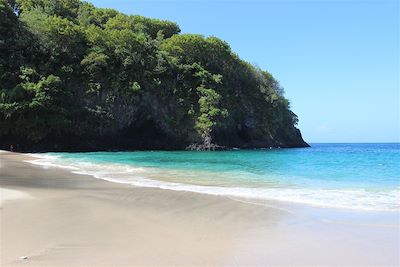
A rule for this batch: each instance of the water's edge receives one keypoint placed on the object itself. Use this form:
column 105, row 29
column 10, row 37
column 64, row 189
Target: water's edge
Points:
column 353, row 199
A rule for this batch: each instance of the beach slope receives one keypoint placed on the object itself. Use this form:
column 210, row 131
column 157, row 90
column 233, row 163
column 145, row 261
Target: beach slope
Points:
column 51, row 217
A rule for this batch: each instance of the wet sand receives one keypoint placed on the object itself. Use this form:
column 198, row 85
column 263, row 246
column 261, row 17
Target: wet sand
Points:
column 56, row 218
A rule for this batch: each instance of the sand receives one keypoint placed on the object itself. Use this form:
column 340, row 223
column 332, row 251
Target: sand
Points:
column 56, row 218
column 7, row 194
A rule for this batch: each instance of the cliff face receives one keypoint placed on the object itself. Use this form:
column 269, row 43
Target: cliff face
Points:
column 147, row 137
column 147, row 133
column 74, row 77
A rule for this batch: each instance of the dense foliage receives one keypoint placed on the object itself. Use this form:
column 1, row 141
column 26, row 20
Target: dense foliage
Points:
column 73, row 76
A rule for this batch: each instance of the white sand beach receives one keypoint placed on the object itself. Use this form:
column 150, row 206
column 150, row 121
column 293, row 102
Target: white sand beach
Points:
column 56, row 218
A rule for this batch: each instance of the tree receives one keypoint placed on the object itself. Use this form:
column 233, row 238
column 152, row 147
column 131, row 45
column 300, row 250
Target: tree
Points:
column 70, row 69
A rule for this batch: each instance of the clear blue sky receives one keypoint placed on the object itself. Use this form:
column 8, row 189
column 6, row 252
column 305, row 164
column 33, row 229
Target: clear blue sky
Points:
column 337, row 60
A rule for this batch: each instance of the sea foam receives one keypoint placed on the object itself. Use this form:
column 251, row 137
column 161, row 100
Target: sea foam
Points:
column 356, row 199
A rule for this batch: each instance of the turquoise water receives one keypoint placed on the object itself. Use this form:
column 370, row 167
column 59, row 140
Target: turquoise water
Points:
column 350, row 176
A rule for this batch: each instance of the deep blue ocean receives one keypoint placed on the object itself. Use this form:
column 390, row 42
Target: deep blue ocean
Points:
column 344, row 176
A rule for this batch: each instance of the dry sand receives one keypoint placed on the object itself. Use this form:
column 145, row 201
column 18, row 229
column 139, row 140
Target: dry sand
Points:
column 56, row 218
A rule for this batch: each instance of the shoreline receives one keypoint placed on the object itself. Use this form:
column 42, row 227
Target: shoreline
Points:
column 24, row 148
column 76, row 220
column 152, row 177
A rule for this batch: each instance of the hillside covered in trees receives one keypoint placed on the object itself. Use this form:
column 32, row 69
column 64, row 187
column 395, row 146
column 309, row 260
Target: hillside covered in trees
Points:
column 76, row 77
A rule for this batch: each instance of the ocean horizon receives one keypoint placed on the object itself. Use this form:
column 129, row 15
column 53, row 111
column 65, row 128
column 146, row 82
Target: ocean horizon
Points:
column 356, row 176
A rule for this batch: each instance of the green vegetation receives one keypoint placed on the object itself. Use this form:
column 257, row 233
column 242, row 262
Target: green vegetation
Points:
column 73, row 76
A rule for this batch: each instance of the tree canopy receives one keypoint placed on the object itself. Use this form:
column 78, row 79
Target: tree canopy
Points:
column 73, row 75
